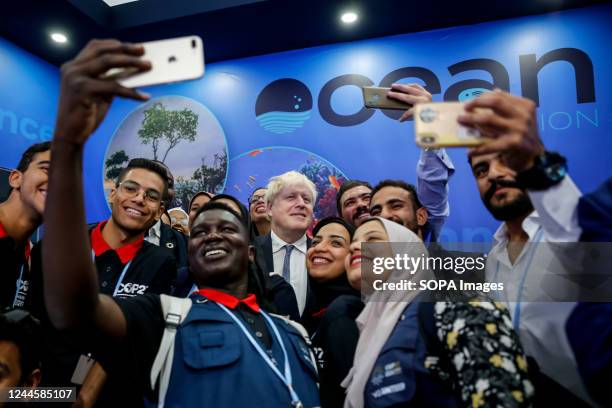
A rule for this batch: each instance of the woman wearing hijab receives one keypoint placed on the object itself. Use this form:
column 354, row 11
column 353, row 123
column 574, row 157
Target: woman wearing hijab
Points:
column 198, row 200
column 435, row 354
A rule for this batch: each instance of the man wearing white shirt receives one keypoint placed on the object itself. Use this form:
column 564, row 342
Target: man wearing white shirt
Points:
column 527, row 188
column 290, row 202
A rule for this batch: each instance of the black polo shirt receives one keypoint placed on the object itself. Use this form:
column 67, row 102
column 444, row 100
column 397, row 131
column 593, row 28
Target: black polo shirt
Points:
column 132, row 270
column 14, row 271
column 129, row 271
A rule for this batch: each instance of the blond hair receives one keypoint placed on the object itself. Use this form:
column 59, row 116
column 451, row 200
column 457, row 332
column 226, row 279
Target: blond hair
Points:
column 290, row 178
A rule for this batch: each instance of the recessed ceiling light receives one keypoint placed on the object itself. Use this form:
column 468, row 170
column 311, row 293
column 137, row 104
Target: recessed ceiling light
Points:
column 349, row 17
column 59, row 38
column 113, row 3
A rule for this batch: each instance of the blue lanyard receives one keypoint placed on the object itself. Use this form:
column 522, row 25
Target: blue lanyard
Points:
column 519, row 295
column 19, row 283
column 286, row 379
column 120, row 281
column 20, row 280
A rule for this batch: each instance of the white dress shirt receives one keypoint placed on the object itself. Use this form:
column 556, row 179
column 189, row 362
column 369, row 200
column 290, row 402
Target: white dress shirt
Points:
column 154, row 235
column 540, row 320
column 298, row 275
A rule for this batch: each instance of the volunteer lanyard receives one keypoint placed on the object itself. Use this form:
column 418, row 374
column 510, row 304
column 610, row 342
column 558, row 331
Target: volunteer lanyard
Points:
column 519, row 295
column 19, row 283
column 20, row 280
column 286, row 379
column 120, row 281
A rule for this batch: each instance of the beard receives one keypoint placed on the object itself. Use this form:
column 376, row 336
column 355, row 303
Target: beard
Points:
column 412, row 225
column 520, row 206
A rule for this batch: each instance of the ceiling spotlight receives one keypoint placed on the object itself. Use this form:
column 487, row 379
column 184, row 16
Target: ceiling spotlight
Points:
column 59, row 38
column 349, row 17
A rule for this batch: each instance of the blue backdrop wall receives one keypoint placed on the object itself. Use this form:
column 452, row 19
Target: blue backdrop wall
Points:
column 303, row 109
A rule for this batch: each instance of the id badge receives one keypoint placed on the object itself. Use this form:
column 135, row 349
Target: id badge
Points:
column 82, row 369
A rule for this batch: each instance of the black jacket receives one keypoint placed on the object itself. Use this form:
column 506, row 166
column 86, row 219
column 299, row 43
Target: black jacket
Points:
column 175, row 242
column 283, row 298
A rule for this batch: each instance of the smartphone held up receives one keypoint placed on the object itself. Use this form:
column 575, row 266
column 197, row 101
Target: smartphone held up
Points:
column 172, row 60
column 436, row 125
column 376, row 98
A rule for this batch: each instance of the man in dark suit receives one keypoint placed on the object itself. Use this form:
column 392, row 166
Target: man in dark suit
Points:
column 289, row 202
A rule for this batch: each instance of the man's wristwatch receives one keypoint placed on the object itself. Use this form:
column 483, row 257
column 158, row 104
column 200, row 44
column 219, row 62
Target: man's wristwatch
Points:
column 548, row 170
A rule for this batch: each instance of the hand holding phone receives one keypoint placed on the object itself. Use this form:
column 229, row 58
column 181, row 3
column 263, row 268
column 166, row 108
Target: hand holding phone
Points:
column 172, row 60
column 399, row 96
column 376, row 98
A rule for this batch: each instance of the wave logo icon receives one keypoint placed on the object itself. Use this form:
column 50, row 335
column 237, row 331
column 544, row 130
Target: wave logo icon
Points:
column 283, row 106
column 471, row 93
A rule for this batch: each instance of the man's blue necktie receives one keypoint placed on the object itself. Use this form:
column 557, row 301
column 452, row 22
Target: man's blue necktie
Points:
column 287, row 262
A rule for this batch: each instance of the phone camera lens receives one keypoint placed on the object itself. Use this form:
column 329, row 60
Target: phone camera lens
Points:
column 193, row 43
column 428, row 139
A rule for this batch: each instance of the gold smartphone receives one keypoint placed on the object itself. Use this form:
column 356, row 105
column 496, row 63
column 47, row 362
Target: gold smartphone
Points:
column 376, row 97
column 435, row 126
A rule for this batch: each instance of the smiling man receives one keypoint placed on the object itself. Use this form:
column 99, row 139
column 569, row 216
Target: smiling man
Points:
column 241, row 342
column 528, row 189
column 290, row 202
column 353, row 201
column 126, row 265
column 20, row 215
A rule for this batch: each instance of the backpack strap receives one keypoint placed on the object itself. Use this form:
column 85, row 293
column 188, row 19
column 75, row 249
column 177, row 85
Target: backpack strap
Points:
column 302, row 331
column 174, row 311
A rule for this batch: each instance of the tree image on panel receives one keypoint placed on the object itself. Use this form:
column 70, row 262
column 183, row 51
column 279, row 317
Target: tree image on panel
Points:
column 115, row 163
column 170, row 126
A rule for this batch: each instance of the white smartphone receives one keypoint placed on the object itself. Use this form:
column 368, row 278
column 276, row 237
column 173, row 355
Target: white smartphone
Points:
column 172, row 60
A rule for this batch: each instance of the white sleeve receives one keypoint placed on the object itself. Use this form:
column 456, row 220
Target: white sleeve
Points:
column 557, row 208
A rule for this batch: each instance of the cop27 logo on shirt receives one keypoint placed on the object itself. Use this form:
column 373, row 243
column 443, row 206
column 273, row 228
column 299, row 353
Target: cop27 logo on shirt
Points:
column 131, row 289
column 530, row 67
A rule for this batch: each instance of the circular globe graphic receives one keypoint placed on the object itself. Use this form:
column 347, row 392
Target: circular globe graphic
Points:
column 180, row 132
column 253, row 169
column 283, row 106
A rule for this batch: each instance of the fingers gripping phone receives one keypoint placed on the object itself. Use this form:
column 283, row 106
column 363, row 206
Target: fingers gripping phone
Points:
column 376, row 98
column 172, row 60
column 435, row 126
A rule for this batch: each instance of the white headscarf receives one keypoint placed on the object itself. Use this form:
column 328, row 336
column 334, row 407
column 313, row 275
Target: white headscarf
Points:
column 379, row 317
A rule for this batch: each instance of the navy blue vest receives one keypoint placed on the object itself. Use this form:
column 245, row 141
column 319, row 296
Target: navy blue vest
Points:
column 399, row 376
column 216, row 366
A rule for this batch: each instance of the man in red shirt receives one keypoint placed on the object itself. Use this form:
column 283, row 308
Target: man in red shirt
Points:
column 20, row 215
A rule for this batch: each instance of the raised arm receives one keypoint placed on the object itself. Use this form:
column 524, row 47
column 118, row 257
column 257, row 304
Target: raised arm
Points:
column 69, row 274
column 434, row 169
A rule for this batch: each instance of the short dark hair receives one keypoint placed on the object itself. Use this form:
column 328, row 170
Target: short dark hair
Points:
column 145, row 164
column 169, row 175
column 28, row 155
column 346, row 186
column 217, row 205
column 21, row 328
column 399, row 184
column 333, row 220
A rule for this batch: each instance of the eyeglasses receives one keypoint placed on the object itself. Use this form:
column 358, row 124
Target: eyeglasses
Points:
column 256, row 198
column 184, row 222
column 132, row 189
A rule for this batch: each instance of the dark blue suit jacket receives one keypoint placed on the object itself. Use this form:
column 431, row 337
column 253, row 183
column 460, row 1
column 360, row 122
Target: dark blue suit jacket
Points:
column 283, row 295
